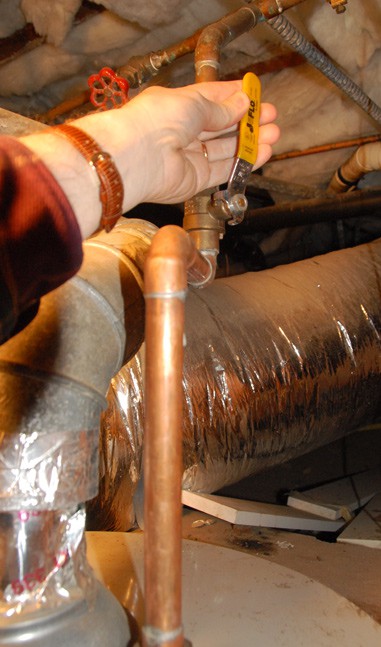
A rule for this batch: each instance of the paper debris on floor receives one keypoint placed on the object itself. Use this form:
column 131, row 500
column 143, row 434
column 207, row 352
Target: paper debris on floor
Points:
column 340, row 498
column 365, row 529
column 252, row 513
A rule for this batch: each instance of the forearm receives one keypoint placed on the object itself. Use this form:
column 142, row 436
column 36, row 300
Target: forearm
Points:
column 40, row 242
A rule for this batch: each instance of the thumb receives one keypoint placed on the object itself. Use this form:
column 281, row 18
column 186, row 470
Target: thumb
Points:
column 222, row 115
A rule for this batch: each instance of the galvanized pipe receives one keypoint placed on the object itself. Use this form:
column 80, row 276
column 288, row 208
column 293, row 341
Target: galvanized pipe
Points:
column 171, row 258
column 139, row 69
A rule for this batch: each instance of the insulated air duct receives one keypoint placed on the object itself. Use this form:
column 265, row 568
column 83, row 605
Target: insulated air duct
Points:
column 277, row 363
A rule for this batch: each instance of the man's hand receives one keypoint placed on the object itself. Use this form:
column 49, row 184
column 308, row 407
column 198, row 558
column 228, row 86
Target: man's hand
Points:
column 168, row 145
column 185, row 139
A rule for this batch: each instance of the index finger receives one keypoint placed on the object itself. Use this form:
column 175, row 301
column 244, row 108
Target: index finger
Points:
column 267, row 116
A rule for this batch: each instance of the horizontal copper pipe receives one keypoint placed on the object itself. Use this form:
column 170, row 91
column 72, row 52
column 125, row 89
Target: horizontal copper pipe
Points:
column 171, row 259
column 214, row 36
column 140, row 69
column 67, row 107
column 323, row 148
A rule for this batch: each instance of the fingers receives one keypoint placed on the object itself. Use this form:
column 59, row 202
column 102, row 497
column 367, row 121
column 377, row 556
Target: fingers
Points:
column 219, row 170
column 269, row 134
column 205, row 136
column 212, row 109
column 226, row 147
column 213, row 171
column 215, row 149
column 264, row 154
column 268, row 113
column 267, row 116
column 220, row 149
column 215, row 90
column 224, row 91
column 223, row 115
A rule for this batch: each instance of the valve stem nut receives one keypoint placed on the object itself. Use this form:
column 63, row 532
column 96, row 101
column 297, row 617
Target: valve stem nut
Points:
column 237, row 207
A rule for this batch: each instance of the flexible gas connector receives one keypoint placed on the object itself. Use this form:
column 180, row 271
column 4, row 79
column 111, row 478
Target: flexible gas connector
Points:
column 231, row 203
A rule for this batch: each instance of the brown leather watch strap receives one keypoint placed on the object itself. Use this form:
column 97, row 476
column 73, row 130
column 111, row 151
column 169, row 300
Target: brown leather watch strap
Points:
column 111, row 185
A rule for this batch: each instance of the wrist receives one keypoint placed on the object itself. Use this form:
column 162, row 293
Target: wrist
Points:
column 115, row 134
column 75, row 176
column 110, row 183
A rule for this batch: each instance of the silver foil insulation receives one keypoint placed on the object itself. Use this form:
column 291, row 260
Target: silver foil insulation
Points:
column 277, row 363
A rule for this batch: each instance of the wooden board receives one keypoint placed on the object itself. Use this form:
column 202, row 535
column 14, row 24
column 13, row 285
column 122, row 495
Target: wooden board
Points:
column 252, row 513
column 338, row 499
column 365, row 529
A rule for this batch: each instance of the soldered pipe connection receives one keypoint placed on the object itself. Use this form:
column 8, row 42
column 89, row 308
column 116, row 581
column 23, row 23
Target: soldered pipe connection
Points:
column 215, row 36
column 171, row 263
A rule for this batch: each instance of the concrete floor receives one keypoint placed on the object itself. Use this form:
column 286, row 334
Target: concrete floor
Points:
column 230, row 598
column 349, row 570
column 352, row 571
column 290, row 588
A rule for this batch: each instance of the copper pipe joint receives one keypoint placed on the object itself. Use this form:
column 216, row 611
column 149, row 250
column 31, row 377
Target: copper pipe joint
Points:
column 215, row 36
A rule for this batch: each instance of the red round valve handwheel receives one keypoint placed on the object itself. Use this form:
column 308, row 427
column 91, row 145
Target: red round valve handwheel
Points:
column 108, row 90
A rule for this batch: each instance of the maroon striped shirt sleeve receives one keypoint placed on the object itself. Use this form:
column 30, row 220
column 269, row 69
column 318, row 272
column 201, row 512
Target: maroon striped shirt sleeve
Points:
column 40, row 240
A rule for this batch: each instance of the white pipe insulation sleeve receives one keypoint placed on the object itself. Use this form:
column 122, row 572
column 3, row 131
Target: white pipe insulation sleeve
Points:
column 368, row 157
column 365, row 159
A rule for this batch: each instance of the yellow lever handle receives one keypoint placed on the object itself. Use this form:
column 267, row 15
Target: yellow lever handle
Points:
column 249, row 125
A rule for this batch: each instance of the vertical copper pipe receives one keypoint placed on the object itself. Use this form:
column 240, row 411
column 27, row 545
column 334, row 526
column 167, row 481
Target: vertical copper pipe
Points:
column 163, row 469
column 171, row 259
column 215, row 36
